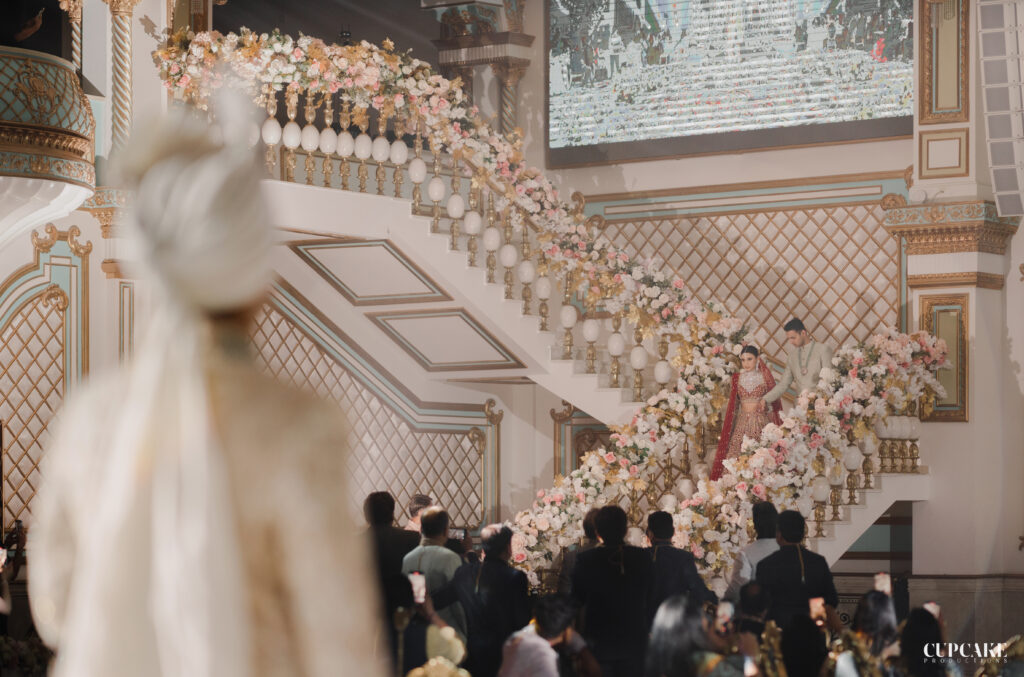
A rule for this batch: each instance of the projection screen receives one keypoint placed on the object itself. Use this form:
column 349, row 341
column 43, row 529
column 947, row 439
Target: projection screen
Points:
column 642, row 79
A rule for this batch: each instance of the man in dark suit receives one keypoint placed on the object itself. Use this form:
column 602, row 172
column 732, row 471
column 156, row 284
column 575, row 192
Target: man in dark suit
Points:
column 794, row 575
column 675, row 572
column 612, row 583
column 569, row 555
column 391, row 543
column 495, row 597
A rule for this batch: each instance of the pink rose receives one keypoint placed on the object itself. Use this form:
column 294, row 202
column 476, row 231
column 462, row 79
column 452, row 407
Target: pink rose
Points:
column 742, row 486
column 760, row 491
column 540, row 494
column 609, row 457
column 580, row 496
column 624, row 462
column 519, row 557
column 698, row 551
column 633, row 470
column 297, row 53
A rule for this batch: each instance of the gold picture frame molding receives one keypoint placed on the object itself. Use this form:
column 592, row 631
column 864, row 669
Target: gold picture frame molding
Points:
column 927, row 114
column 930, row 305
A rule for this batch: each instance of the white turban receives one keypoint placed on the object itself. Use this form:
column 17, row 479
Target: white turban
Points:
column 198, row 218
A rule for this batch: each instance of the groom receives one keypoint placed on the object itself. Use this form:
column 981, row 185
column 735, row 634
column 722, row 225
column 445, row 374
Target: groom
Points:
column 803, row 364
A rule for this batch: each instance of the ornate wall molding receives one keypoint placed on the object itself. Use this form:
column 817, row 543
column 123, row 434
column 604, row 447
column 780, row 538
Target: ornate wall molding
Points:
column 44, row 353
column 401, row 443
column 941, row 280
column 575, row 433
column 952, row 227
column 946, row 316
column 932, row 42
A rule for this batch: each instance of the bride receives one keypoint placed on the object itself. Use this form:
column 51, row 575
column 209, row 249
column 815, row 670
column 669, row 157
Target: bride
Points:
column 748, row 386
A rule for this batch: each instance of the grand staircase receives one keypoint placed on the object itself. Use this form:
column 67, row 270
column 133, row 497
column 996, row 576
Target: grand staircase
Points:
column 445, row 222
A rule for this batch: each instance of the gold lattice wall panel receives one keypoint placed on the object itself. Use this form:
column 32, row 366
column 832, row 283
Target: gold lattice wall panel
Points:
column 31, row 391
column 385, row 452
column 834, row 266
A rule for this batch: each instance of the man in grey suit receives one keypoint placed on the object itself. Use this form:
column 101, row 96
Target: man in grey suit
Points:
column 804, row 364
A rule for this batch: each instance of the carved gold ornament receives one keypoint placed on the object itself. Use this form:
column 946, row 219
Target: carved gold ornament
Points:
column 493, row 415
column 73, row 9
column 122, row 6
column 77, row 248
column 56, row 297
column 43, row 243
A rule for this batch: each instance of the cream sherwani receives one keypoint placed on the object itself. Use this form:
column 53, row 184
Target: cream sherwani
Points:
column 311, row 599
column 803, row 366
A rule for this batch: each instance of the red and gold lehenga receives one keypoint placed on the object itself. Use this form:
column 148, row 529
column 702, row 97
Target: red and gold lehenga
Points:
column 747, row 386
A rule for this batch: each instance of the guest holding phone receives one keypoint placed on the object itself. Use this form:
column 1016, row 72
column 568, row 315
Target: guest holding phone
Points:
column 439, row 564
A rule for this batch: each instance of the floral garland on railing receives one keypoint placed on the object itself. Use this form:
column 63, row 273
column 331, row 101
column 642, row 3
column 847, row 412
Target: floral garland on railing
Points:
column 866, row 380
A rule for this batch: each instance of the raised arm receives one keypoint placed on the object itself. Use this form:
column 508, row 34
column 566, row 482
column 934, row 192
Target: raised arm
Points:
column 782, row 385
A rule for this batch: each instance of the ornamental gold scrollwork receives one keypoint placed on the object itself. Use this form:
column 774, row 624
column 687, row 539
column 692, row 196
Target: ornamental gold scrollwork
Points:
column 55, row 296
column 565, row 414
column 35, row 92
column 478, row 438
column 893, row 201
column 77, row 248
column 579, row 203
column 44, row 243
column 493, row 415
column 908, row 176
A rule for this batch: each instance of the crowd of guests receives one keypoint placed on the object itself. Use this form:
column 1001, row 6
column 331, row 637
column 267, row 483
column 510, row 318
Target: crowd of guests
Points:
column 629, row 611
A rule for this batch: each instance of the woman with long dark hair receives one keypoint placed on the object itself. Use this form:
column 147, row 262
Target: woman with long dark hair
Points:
column 875, row 622
column 679, row 645
column 922, row 629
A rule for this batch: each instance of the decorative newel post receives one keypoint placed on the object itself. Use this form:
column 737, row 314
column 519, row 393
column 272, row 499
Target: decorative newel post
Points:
column 121, row 14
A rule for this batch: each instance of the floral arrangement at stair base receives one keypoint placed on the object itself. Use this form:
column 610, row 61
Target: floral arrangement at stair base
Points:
column 884, row 373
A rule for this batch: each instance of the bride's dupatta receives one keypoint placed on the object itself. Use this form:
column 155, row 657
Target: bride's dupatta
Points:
column 728, row 423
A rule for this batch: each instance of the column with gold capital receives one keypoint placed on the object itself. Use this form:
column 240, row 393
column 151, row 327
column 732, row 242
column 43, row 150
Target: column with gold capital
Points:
column 509, row 72
column 73, row 8
column 121, row 94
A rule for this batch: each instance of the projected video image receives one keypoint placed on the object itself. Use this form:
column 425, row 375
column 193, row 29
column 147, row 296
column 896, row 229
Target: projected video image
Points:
column 640, row 70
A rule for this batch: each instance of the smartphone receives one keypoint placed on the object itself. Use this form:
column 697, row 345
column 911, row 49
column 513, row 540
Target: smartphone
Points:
column 883, row 583
column 817, row 609
column 933, row 608
column 723, row 617
column 457, row 534
column 419, row 587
